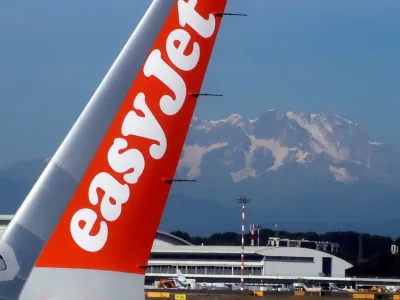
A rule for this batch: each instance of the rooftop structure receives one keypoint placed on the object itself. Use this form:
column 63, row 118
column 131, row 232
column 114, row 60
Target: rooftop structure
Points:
column 303, row 243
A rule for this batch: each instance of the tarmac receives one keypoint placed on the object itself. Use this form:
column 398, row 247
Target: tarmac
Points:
column 247, row 295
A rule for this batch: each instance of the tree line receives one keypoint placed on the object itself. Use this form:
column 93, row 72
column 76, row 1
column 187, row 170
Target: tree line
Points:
column 376, row 259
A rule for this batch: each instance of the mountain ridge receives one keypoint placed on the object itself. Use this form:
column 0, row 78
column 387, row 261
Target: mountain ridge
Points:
column 288, row 136
column 299, row 169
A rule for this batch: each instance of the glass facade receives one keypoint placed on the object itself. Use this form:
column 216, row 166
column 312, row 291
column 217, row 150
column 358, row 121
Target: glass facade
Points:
column 202, row 270
column 327, row 266
column 290, row 259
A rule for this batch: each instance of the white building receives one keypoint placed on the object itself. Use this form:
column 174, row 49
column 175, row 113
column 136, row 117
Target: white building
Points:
column 170, row 253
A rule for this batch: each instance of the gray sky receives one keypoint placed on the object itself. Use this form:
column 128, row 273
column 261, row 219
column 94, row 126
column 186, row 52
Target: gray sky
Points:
column 331, row 56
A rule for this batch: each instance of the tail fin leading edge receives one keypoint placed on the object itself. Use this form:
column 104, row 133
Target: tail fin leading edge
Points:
column 86, row 229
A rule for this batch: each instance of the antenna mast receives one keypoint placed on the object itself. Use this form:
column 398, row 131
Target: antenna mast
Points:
column 258, row 234
column 243, row 201
column 252, row 234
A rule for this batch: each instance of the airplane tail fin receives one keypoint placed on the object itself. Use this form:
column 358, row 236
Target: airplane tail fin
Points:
column 86, row 229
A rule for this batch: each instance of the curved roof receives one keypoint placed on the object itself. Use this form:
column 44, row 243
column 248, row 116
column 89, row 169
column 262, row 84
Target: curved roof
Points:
column 299, row 251
column 167, row 238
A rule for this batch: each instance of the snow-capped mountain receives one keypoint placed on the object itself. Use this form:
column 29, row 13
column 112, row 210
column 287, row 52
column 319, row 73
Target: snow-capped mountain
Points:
column 246, row 149
column 299, row 169
column 302, row 171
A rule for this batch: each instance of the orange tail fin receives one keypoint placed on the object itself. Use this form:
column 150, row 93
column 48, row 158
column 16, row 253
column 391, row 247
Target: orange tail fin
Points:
column 89, row 222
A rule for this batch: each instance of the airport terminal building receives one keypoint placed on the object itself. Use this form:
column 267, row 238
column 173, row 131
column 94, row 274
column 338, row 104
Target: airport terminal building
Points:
column 280, row 258
column 280, row 261
column 170, row 253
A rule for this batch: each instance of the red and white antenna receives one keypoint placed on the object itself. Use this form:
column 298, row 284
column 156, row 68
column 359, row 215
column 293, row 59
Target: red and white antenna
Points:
column 252, row 234
column 243, row 201
column 258, row 234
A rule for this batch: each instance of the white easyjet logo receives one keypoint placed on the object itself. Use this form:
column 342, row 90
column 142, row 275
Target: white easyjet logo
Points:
column 120, row 157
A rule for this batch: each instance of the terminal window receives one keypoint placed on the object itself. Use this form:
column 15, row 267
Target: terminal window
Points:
column 290, row 259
